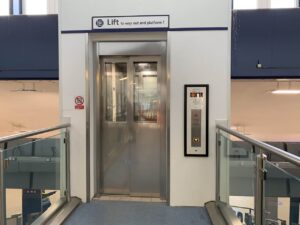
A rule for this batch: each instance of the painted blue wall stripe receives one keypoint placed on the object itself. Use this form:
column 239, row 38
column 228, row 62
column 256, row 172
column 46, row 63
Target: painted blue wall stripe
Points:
column 147, row 30
column 198, row 29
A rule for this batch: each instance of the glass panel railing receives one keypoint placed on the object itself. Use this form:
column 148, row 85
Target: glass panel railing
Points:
column 34, row 177
column 259, row 181
column 237, row 176
column 282, row 193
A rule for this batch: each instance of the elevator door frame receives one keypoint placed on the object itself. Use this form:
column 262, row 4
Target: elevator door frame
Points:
column 164, row 89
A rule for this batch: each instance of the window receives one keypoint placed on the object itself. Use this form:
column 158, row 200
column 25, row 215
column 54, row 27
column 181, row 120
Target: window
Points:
column 17, row 7
column 244, row 4
column 35, row 7
column 28, row 7
column 283, row 4
column 4, row 7
column 261, row 4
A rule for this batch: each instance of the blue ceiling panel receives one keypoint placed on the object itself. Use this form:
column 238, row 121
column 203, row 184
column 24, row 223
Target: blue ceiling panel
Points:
column 29, row 47
column 270, row 37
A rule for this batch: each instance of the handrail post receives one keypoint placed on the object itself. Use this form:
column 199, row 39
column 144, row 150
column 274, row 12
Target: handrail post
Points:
column 260, row 189
column 217, row 164
column 2, row 190
column 68, row 167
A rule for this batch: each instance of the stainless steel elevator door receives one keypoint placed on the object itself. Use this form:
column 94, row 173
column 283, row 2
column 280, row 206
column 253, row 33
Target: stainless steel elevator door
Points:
column 131, row 126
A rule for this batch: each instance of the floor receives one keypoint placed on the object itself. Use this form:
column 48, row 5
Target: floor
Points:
column 113, row 212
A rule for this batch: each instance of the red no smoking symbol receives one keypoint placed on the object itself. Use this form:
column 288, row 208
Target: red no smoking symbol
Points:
column 79, row 101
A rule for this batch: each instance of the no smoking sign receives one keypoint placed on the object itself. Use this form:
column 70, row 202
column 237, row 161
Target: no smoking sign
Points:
column 79, row 102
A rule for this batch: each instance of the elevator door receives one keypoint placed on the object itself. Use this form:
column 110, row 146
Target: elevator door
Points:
column 131, row 126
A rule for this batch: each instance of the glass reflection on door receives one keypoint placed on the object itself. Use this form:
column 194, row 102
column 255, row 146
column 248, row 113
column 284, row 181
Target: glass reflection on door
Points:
column 116, row 91
column 116, row 144
column 146, row 99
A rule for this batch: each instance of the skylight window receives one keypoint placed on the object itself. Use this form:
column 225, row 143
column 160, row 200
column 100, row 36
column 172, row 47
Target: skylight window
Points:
column 4, row 7
column 244, row 4
column 36, row 7
column 277, row 4
column 264, row 4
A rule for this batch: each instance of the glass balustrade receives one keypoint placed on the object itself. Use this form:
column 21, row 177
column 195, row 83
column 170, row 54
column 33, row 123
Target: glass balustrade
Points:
column 237, row 176
column 34, row 176
column 259, row 182
column 282, row 193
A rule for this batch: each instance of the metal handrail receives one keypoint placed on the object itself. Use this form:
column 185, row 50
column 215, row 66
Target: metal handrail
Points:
column 32, row 133
column 266, row 147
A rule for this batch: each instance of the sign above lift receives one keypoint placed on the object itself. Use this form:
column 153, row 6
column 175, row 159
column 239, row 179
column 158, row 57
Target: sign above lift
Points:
column 130, row 22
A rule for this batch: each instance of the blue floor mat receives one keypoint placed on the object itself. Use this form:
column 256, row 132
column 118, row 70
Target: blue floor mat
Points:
column 136, row 213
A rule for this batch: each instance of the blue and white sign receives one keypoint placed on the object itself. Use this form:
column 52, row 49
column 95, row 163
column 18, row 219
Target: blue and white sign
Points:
column 130, row 22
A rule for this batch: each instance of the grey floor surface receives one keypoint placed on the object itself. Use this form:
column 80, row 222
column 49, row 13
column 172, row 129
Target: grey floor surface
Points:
column 136, row 213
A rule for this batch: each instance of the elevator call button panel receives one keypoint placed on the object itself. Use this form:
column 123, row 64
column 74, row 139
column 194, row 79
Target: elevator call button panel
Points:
column 196, row 120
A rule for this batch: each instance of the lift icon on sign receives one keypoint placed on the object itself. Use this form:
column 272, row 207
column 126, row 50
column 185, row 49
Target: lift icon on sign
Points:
column 99, row 22
column 79, row 102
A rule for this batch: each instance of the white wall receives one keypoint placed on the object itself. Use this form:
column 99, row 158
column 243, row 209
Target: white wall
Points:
column 76, row 15
column 26, row 110
column 72, row 84
column 199, row 57
column 193, row 179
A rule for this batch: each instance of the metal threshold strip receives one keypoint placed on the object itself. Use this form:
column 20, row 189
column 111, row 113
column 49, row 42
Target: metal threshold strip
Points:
column 221, row 214
column 58, row 213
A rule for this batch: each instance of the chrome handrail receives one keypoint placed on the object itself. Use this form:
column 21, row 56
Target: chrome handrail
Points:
column 266, row 147
column 32, row 133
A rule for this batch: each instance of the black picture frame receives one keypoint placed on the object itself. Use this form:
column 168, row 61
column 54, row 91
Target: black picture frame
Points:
column 206, row 87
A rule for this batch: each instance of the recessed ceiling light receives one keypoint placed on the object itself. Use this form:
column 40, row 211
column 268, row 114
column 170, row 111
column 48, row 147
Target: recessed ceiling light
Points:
column 286, row 92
